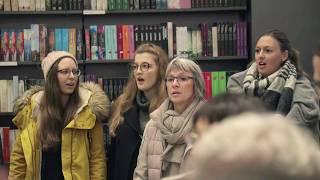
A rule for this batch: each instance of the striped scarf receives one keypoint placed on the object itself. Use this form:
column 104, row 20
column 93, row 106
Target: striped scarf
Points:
column 276, row 90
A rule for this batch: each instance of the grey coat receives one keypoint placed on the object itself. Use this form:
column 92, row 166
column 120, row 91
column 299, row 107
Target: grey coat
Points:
column 304, row 108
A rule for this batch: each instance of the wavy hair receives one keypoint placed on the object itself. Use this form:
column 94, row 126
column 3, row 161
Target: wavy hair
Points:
column 125, row 100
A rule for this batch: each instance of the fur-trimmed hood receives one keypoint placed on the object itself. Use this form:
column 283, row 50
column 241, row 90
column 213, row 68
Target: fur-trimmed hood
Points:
column 90, row 93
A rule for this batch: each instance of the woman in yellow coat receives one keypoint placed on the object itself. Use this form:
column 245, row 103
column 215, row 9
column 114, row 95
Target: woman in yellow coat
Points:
column 61, row 134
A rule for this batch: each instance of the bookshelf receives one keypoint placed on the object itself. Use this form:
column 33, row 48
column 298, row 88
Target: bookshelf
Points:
column 118, row 68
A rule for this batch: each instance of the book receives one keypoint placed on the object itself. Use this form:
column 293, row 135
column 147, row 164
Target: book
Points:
column 43, row 41
column 12, row 45
column 35, row 49
column 20, row 45
column 94, row 42
column 79, row 44
column 27, row 44
column 72, row 42
column 51, row 40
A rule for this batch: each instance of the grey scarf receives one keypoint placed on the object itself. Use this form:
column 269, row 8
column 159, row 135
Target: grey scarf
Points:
column 276, row 90
column 174, row 127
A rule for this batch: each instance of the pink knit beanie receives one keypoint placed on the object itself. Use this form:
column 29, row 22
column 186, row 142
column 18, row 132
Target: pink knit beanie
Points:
column 51, row 58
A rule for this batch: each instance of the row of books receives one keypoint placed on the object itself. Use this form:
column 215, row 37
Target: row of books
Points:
column 11, row 89
column 7, row 140
column 40, row 5
column 110, row 42
column 171, row 4
column 216, row 82
column 57, row 5
column 112, row 87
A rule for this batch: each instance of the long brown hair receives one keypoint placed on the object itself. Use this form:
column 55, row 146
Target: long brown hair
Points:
column 54, row 117
column 125, row 100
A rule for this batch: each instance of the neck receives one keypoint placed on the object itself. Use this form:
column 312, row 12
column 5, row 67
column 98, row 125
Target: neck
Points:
column 150, row 94
column 64, row 100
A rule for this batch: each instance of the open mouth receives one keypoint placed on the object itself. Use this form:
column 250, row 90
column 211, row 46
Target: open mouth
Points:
column 140, row 80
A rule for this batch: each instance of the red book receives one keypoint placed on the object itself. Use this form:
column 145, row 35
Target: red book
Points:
column 87, row 42
column 5, row 145
column 207, row 81
column 13, row 45
column 119, row 41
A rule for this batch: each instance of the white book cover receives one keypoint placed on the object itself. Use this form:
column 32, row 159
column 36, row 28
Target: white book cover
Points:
column 14, row 5
column 100, row 4
column 35, row 49
column 170, row 39
column 9, row 96
column 94, row 4
column 7, row 5
column 3, row 96
column 214, row 41
column 194, row 41
column 199, row 43
column 21, row 87
column 179, row 41
column 105, row 4
column 32, row 5
column 189, row 40
column 20, row 5
column 38, row 5
column 184, row 37
column 43, row 5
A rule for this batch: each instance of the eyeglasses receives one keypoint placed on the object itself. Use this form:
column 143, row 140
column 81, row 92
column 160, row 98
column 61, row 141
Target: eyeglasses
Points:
column 66, row 72
column 180, row 79
column 143, row 67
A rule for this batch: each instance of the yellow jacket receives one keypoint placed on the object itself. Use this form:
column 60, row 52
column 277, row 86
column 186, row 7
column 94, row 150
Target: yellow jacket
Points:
column 82, row 146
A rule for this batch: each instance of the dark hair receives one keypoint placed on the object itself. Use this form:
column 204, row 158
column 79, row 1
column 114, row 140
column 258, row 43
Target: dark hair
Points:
column 285, row 45
column 54, row 117
column 224, row 105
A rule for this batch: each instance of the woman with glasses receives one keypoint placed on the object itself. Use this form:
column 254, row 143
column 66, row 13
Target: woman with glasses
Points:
column 61, row 135
column 163, row 151
column 144, row 92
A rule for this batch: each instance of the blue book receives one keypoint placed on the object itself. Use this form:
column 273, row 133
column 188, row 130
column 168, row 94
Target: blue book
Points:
column 65, row 39
column 58, row 39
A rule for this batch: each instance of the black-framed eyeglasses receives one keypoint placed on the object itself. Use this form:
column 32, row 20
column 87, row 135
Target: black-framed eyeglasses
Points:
column 66, row 72
column 180, row 79
column 143, row 67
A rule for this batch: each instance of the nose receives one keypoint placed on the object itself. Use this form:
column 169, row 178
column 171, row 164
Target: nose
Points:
column 260, row 54
column 138, row 70
column 71, row 75
column 175, row 82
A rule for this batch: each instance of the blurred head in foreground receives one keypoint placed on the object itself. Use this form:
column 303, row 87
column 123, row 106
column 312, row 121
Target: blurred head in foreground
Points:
column 256, row 147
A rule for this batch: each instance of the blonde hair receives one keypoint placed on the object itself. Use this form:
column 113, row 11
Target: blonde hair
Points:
column 256, row 147
column 125, row 100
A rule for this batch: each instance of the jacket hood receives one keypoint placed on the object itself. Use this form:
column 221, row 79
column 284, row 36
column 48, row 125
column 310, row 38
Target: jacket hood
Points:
column 96, row 99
